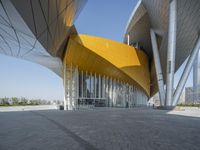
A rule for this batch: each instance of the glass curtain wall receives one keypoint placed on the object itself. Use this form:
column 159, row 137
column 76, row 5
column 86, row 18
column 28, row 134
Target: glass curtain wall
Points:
column 87, row 89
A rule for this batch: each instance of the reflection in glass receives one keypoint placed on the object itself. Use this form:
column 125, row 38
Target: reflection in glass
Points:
column 97, row 86
column 87, row 85
column 87, row 88
column 92, row 86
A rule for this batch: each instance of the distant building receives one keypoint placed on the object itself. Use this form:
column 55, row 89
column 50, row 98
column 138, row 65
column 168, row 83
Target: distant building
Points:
column 156, row 99
column 182, row 98
column 192, row 96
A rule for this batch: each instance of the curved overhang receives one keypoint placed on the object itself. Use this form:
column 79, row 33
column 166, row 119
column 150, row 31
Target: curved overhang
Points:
column 38, row 31
column 136, row 15
column 110, row 58
column 154, row 14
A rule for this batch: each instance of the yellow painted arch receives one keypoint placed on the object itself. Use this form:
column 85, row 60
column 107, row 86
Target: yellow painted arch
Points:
column 111, row 58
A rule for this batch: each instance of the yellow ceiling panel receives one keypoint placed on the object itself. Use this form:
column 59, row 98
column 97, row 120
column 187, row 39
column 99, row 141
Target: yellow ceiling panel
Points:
column 109, row 58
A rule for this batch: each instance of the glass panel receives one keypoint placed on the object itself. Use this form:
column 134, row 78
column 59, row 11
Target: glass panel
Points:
column 84, row 85
column 87, row 85
column 97, row 87
column 103, row 87
column 80, row 84
column 108, row 92
column 92, row 86
column 100, row 87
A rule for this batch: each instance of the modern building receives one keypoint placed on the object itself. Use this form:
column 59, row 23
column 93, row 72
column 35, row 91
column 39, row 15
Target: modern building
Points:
column 189, row 99
column 182, row 98
column 103, row 72
column 192, row 96
column 98, row 71
column 168, row 32
column 154, row 100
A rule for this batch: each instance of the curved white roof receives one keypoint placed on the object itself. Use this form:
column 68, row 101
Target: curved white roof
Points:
column 37, row 30
column 154, row 14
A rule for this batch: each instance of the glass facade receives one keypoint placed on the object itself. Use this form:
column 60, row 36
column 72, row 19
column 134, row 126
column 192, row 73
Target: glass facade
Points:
column 87, row 89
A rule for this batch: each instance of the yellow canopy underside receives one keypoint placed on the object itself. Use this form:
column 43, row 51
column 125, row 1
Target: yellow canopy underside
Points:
column 110, row 58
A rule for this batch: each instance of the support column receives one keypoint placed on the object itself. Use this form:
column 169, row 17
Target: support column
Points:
column 95, row 91
column 159, row 74
column 90, row 84
column 82, row 87
column 64, row 82
column 123, row 94
column 86, row 85
column 171, row 51
column 114, row 92
column 107, row 90
column 103, row 87
column 99, row 86
column 186, row 73
column 111, row 92
column 196, row 78
column 129, row 95
column 128, row 39
column 77, row 87
column 71, row 88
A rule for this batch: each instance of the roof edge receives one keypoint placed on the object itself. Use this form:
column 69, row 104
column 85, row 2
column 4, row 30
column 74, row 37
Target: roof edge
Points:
column 130, row 19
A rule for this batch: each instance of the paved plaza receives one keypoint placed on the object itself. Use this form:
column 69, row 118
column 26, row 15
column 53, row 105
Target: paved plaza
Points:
column 99, row 129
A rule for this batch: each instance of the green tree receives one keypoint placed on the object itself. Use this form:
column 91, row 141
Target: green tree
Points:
column 15, row 101
column 24, row 101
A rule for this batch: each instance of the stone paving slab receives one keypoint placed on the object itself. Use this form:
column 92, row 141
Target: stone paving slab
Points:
column 99, row 129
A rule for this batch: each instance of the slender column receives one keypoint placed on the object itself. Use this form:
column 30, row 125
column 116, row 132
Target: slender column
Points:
column 128, row 95
column 128, row 39
column 133, row 95
column 159, row 74
column 137, row 45
column 67, row 85
column 171, row 51
column 64, row 82
column 70, row 89
column 77, row 86
column 196, row 78
column 99, row 86
column 107, row 91
column 90, row 84
column 111, row 92
column 136, row 96
column 82, row 84
column 121, row 86
column 103, row 87
column 186, row 73
column 117, row 89
column 86, row 75
column 132, row 100
column 95, row 85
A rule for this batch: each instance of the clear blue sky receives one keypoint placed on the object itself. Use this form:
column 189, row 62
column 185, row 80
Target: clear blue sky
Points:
column 104, row 18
